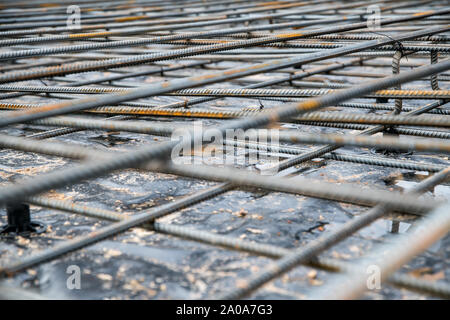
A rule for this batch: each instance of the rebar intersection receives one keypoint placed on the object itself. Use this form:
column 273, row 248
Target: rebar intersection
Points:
column 146, row 96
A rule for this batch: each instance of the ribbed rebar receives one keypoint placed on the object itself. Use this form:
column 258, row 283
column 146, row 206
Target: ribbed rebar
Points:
column 235, row 244
column 140, row 59
column 434, row 59
column 388, row 257
column 205, row 44
column 310, row 250
column 404, row 94
column 90, row 170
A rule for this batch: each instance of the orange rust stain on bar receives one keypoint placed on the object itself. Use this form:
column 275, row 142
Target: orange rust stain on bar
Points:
column 91, row 34
column 289, row 35
column 418, row 14
column 273, row 117
column 234, row 71
column 156, row 112
column 13, row 106
column 49, row 5
column 208, row 41
column 340, row 140
column 131, row 18
column 259, row 66
column 307, row 105
column 204, row 77
column 41, row 109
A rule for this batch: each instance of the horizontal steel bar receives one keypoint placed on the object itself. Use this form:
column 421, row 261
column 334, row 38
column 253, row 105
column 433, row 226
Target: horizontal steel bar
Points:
column 234, row 243
column 388, row 257
column 308, row 251
column 90, row 170
column 139, row 59
column 401, row 94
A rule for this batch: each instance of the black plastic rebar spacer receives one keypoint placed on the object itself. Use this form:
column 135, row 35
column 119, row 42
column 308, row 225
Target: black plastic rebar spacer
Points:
column 19, row 221
column 390, row 132
column 382, row 100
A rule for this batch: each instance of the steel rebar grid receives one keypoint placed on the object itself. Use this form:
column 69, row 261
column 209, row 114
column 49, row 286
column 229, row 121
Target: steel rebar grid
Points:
column 314, row 189
column 62, row 108
column 93, row 170
column 195, row 22
column 122, row 62
column 234, row 244
column 91, row 240
column 389, row 257
column 303, row 254
column 164, row 131
column 75, row 244
column 400, row 94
